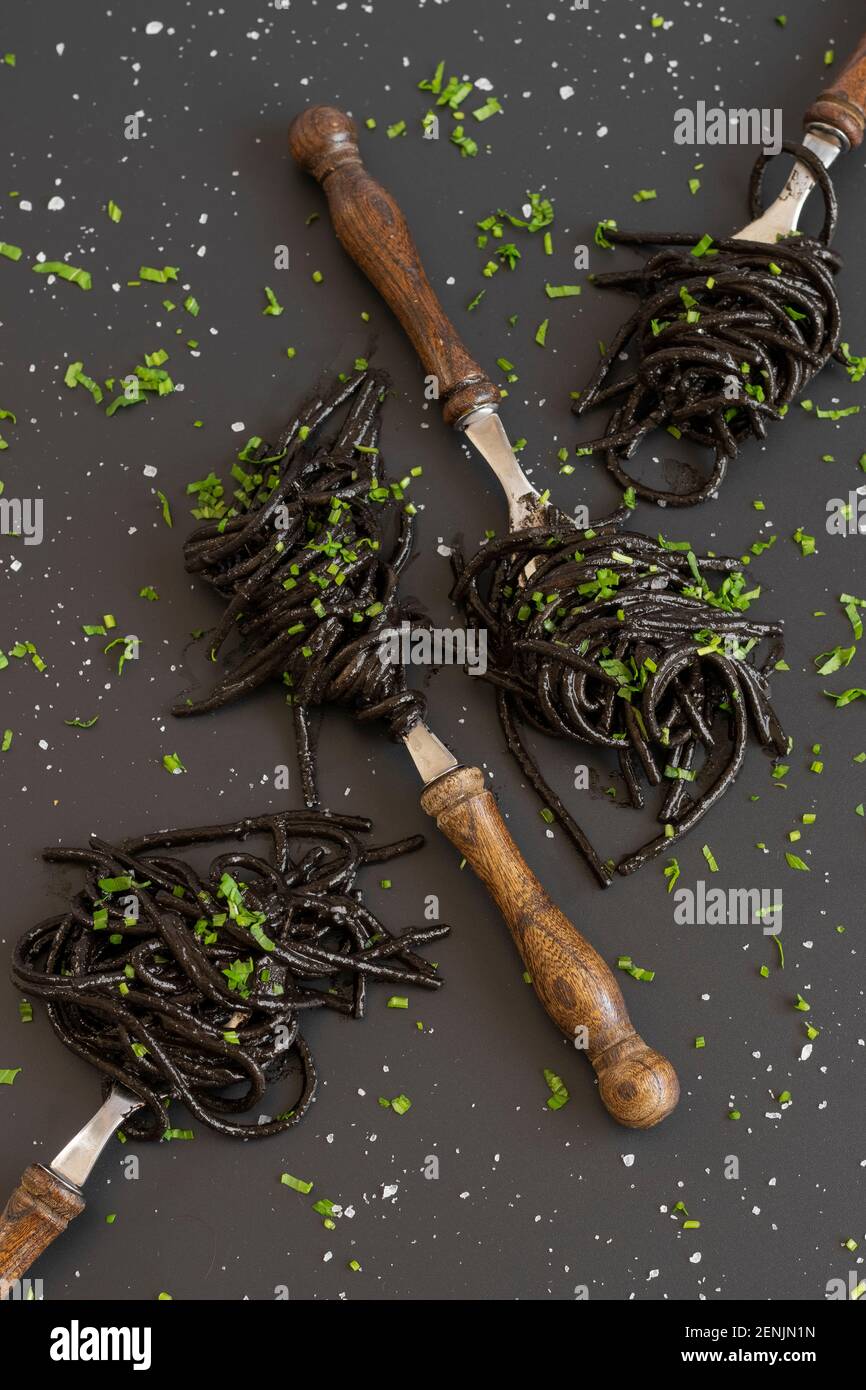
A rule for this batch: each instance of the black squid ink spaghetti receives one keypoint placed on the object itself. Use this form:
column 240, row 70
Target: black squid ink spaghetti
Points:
column 188, row 986
column 727, row 333
column 622, row 642
column 309, row 569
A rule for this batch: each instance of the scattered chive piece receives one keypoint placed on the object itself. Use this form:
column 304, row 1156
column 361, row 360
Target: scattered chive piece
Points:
column 73, row 274
column 77, row 723
column 599, row 234
column 158, row 277
column 297, row 1184
column 847, row 696
column 273, row 305
column 801, row 1005
column 114, row 212
column 7, row 741
column 8, row 1075
column 166, row 509
column 691, row 1225
column 401, row 1104
column 353, row 1265
column 172, row 763
column 627, row 964
column 708, row 855
column 398, row 1001
column 466, row 145
column 541, row 333
column 700, row 1041
column 490, row 108
column 558, row 1093
column 795, row 862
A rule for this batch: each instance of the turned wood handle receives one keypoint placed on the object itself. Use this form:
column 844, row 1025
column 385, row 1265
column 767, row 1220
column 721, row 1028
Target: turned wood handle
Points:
column 576, row 987
column 39, row 1210
column 375, row 233
column 843, row 106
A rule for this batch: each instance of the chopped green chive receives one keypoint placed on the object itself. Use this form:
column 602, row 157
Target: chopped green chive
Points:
column 558, row 1094
column 73, row 274
column 297, row 1184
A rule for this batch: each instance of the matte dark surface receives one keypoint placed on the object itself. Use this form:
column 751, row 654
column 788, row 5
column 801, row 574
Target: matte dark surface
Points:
column 528, row 1203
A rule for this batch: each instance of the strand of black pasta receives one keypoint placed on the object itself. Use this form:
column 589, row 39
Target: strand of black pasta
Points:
column 622, row 642
column 201, row 987
column 725, row 342
column 309, row 573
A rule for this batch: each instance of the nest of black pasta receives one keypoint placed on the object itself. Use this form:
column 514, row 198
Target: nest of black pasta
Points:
column 191, row 985
column 633, row 645
column 308, row 563
column 726, row 335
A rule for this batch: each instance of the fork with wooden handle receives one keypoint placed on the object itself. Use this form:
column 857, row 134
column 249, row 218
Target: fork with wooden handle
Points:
column 371, row 227
column 638, row 1086
column 576, row 987
column 49, row 1195
column 834, row 123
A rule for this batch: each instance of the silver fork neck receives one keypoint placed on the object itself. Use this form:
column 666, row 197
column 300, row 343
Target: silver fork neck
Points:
column 76, row 1160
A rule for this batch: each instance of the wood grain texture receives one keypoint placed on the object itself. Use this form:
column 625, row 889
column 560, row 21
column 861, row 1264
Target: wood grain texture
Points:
column 39, row 1210
column 577, row 988
column 843, row 106
column 374, row 232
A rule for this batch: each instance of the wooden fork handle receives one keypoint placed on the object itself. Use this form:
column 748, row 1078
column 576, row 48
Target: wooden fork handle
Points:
column 39, row 1210
column 375, row 233
column 577, row 988
column 843, row 106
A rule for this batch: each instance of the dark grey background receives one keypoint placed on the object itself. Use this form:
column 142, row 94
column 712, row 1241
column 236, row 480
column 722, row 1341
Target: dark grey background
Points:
column 529, row 1203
